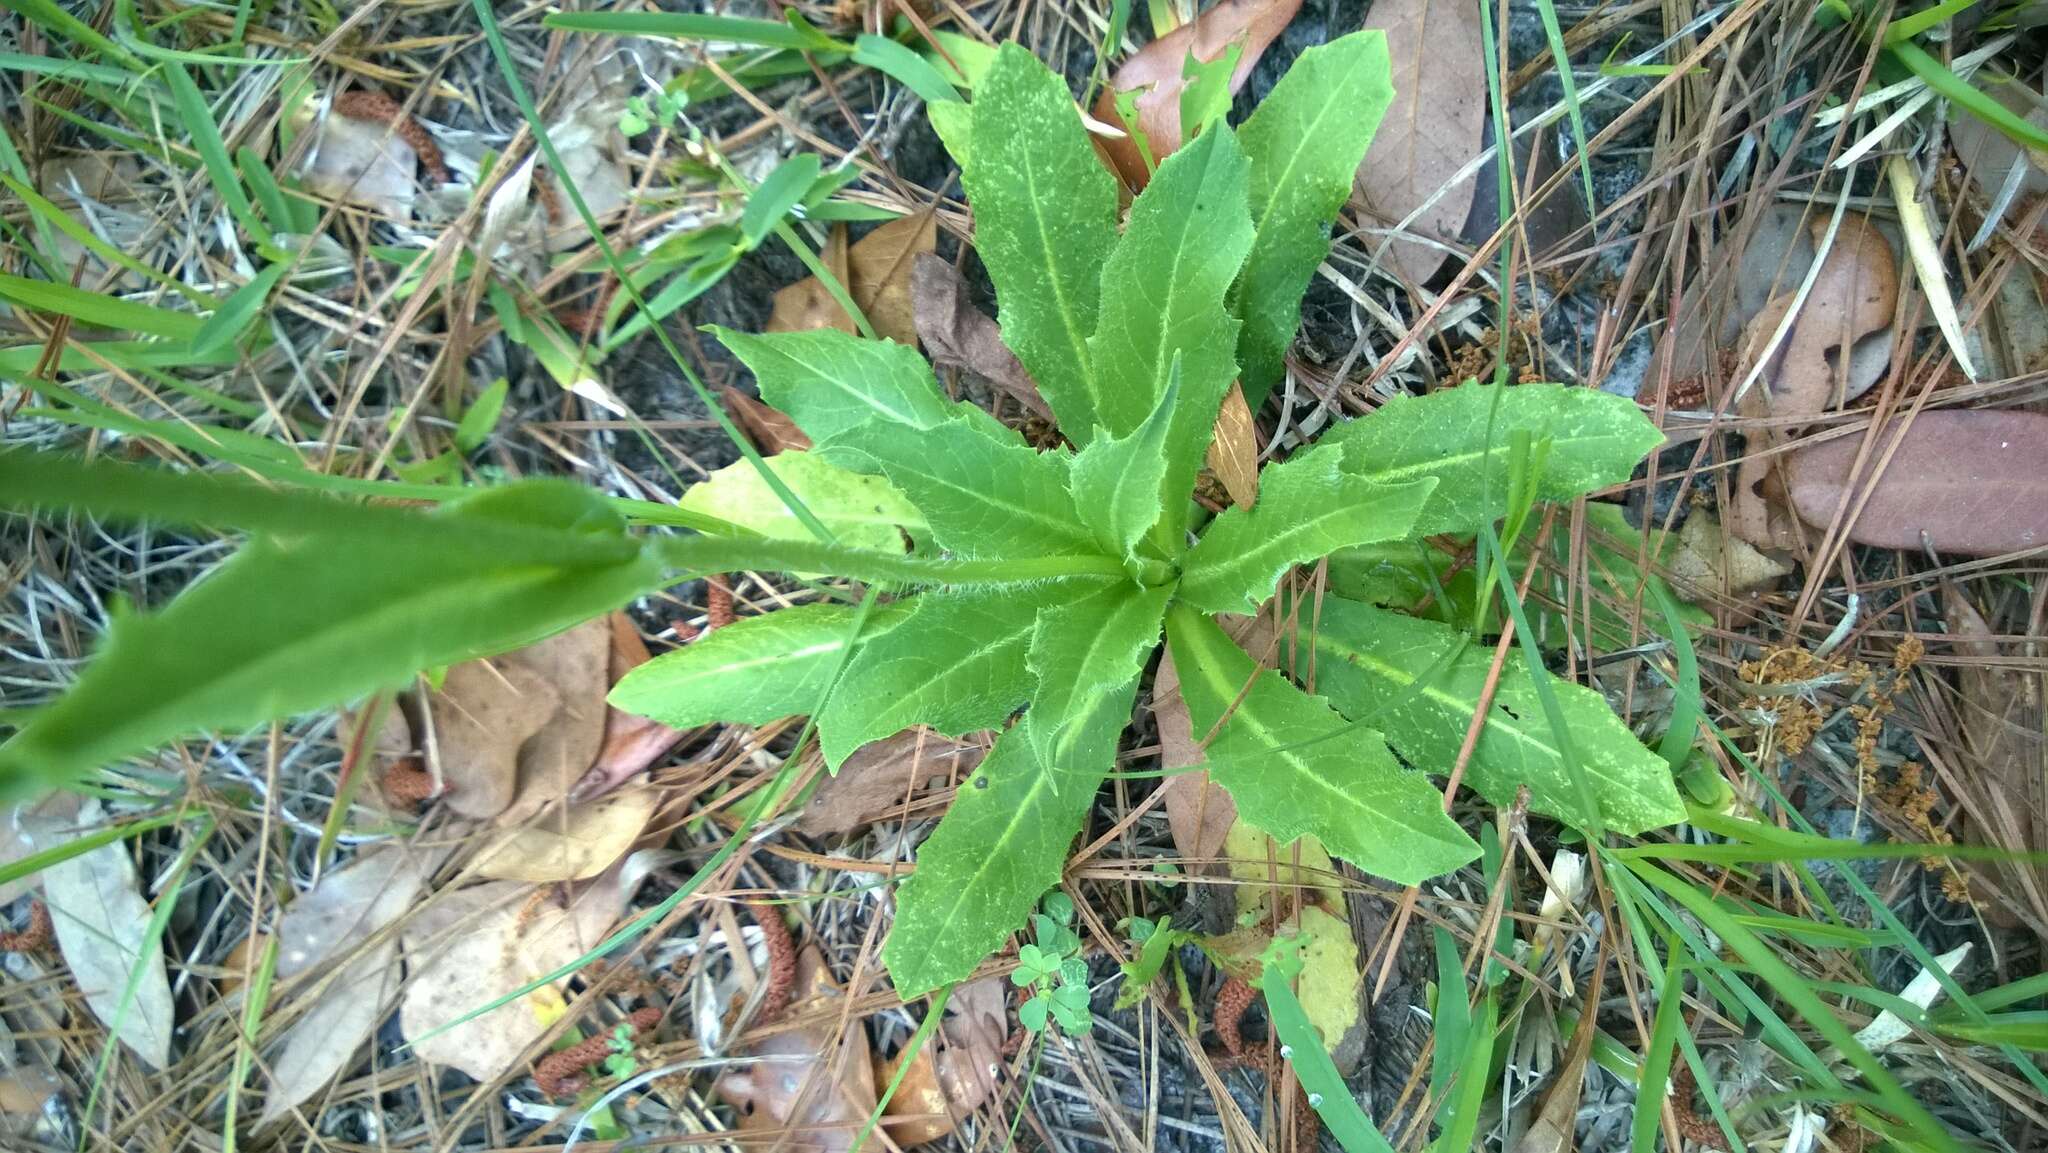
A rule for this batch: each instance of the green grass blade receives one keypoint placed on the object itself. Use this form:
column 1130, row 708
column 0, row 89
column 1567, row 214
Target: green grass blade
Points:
column 213, row 152
column 64, row 222
column 1563, row 59
column 693, row 26
column 1793, row 989
column 1656, row 1060
column 257, row 995
column 1962, row 93
column 1328, row 1095
column 225, row 327
column 905, row 67
column 97, row 309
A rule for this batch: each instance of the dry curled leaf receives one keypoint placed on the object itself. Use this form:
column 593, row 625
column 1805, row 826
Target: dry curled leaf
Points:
column 1198, row 813
column 1233, row 453
column 876, row 272
column 770, row 429
column 816, row 1083
column 632, row 744
column 880, row 775
column 1974, row 483
column 1709, row 561
column 1430, row 131
column 959, row 335
column 1155, row 73
column 29, row 827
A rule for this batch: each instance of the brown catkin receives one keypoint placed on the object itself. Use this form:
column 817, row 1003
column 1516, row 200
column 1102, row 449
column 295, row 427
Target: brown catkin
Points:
column 365, row 104
column 718, row 611
column 561, row 1073
column 1231, row 1001
column 38, row 936
column 408, row 782
column 781, row 962
column 1692, row 1126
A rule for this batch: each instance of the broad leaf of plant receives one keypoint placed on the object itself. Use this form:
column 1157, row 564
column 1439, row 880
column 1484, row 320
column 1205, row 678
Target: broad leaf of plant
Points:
column 983, row 494
column 862, row 511
column 1045, row 220
column 1117, row 480
column 1295, row 767
column 1400, row 673
column 286, row 627
column 830, row 381
column 751, row 671
column 954, row 124
column 999, row 847
column 1308, row 507
column 1596, row 439
column 1082, row 648
column 1162, row 302
column 1305, row 141
column 956, row 663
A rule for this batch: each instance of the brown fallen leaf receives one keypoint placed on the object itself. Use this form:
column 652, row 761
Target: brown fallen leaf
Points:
column 1198, row 813
column 875, row 272
column 1547, row 224
column 360, row 162
column 959, row 335
column 1717, row 309
column 918, row 1114
column 1154, row 71
column 1709, row 562
column 325, row 929
column 770, row 429
column 816, row 1083
column 1974, row 483
column 482, row 715
column 470, row 947
column 632, row 744
column 808, row 304
column 878, row 776
column 1431, row 130
column 1233, row 453
column 2001, row 714
column 102, row 922
column 575, row 664
column 581, row 841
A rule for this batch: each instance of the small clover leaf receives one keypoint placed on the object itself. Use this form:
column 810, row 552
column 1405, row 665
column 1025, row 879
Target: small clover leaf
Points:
column 1070, row 1008
column 1031, row 1014
column 633, row 119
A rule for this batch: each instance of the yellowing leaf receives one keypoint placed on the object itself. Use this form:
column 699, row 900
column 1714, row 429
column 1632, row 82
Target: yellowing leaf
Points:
column 569, row 846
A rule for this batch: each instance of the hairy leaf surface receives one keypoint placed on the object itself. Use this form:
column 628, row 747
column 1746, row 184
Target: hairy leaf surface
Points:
column 983, row 494
column 830, row 381
column 1082, row 648
column 1305, row 141
column 956, row 663
column 1595, row 437
column 999, row 847
column 1117, row 479
column 362, row 614
column 1295, row 767
column 1044, row 223
column 1420, row 682
column 1308, row 507
column 1162, row 301
column 752, row 671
